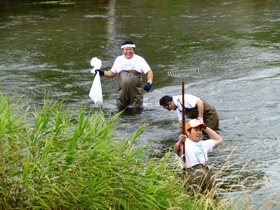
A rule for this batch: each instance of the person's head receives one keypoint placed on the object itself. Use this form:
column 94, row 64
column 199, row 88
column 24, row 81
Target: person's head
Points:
column 194, row 129
column 167, row 103
column 128, row 48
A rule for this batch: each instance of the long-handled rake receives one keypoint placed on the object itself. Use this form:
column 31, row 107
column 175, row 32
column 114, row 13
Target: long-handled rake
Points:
column 182, row 74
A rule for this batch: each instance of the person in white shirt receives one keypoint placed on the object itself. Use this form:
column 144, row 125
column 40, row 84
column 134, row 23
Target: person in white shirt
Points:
column 199, row 173
column 129, row 68
column 195, row 108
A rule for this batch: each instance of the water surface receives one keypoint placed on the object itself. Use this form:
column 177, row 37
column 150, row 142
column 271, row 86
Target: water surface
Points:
column 46, row 50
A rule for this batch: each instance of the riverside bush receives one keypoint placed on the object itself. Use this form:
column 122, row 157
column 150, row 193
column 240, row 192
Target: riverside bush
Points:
column 53, row 157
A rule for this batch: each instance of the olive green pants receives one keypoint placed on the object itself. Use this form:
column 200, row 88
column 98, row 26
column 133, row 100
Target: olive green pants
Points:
column 210, row 115
column 211, row 118
column 130, row 89
column 200, row 179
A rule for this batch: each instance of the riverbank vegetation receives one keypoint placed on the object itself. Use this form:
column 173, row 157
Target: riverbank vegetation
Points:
column 53, row 157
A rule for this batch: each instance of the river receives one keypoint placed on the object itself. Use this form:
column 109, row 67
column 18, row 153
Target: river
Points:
column 46, row 49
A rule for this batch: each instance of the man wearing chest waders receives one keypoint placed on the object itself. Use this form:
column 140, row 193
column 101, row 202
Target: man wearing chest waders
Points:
column 200, row 175
column 195, row 108
column 129, row 68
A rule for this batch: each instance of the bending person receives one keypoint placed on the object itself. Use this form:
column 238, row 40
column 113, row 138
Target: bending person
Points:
column 195, row 108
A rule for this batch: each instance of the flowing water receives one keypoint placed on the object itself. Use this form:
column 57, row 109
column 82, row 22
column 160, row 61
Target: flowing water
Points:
column 45, row 49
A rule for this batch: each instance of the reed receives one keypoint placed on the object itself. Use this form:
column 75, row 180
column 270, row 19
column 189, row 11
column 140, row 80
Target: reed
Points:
column 236, row 181
column 53, row 157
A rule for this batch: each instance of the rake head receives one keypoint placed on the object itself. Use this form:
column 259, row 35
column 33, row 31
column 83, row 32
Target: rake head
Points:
column 183, row 73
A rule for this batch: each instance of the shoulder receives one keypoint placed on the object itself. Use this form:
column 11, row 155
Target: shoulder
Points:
column 139, row 58
column 176, row 98
column 210, row 143
column 118, row 59
column 190, row 142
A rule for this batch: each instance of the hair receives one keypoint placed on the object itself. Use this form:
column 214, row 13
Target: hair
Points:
column 189, row 130
column 128, row 42
column 164, row 100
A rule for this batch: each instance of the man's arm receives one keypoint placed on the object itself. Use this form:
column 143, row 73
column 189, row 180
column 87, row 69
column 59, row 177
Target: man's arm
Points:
column 148, row 85
column 178, row 147
column 213, row 135
column 180, row 123
column 150, row 76
column 200, row 108
column 109, row 74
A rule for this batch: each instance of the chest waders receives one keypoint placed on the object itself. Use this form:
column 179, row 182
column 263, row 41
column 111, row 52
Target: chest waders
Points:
column 200, row 176
column 130, row 89
column 201, row 179
column 210, row 115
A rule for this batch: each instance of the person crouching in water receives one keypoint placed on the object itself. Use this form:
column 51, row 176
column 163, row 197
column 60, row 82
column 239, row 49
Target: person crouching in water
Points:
column 199, row 174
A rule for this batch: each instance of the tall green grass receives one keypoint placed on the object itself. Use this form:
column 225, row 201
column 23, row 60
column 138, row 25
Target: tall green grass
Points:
column 54, row 157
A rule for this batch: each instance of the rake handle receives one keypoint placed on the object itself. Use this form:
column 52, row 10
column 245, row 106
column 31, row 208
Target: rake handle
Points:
column 183, row 129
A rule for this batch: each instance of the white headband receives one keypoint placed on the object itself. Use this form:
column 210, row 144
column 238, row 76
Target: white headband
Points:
column 128, row 45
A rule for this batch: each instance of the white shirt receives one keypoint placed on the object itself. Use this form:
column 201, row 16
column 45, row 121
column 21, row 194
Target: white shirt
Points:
column 196, row 152
column 190, row 102
column 135, row 63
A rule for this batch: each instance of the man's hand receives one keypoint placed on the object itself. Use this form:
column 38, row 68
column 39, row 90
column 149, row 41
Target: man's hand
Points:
column 182, row 138
column 147, row 86
column 101, row 72
column 200, row 119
